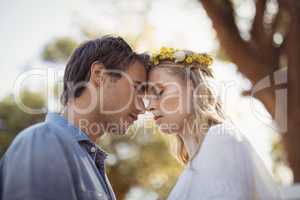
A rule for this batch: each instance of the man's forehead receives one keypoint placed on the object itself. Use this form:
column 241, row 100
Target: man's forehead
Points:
column 137, row 73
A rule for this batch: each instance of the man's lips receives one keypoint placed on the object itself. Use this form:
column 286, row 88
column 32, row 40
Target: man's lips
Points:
column 134, row 117
column 157, row 117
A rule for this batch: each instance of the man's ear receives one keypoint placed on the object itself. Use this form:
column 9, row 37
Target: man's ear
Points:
column 97, row 74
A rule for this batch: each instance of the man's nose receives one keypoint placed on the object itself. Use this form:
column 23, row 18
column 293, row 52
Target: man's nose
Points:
column 139, row 104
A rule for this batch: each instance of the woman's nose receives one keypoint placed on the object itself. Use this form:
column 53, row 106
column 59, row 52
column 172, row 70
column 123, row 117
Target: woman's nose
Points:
column 146, row 102
column 152, row 105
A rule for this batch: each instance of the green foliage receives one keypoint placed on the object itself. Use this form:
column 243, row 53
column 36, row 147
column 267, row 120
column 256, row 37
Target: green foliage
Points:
column 15, row 119
column 141, row 159
column 279, row 156
column 59, row 50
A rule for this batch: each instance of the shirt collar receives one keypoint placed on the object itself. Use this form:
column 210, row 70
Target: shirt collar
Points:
column 76, row 132
column 60, row 120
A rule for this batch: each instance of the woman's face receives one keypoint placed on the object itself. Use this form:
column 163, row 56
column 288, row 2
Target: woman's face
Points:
column 170, row 100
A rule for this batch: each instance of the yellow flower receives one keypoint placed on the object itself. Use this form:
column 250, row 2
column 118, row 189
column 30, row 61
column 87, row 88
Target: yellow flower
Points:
column 170, row 55
column 180, row 55
column 154, row 55
column 194, row 56
column 165, row 50
column 204, row 59
column 156, row 62
column 161, row 56
column 189, row 59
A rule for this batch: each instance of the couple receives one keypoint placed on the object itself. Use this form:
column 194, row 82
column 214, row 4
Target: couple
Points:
column 105, row 85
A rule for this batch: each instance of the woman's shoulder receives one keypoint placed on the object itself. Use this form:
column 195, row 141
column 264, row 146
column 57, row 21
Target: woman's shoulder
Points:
column 219, row 163
column 224, row 133
column 222, row 143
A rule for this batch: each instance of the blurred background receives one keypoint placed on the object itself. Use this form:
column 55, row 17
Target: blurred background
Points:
column 253, row 42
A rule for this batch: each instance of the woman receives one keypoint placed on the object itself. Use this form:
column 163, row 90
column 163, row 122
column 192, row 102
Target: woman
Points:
column 220, row 163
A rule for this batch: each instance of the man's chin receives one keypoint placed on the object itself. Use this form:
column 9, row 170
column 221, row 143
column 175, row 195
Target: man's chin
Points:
column 120, row 129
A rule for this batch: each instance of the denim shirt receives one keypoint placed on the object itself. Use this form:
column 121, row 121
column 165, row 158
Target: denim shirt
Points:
column 54, row 160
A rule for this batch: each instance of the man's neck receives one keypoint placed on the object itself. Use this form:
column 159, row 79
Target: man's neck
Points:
column 86, row 122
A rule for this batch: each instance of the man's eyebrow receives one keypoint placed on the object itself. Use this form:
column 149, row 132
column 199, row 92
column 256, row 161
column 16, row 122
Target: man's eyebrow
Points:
column 138, row 82
column 141, row 85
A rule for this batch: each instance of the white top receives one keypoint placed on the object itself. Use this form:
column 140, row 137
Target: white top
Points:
column 225, row 168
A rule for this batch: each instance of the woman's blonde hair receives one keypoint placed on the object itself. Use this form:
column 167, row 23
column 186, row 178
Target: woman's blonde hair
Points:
column 206, row 112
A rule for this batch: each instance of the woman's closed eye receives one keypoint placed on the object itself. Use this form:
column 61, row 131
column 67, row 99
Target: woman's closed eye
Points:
column 140, row 88
column 155, row 91
column 159, row 93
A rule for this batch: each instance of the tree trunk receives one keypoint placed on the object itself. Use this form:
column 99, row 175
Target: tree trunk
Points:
column 259, row 58
column 291, row 139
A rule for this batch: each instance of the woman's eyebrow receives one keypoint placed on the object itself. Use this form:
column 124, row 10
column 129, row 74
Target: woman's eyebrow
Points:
column 153, row 87
column 160, row 85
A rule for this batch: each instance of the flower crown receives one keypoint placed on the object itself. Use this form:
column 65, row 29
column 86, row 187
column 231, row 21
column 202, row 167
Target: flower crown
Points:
column 201, row 60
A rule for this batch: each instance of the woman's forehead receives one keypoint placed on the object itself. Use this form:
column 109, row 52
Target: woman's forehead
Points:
column 159, row 75
column 159, row 82
column 162, row 75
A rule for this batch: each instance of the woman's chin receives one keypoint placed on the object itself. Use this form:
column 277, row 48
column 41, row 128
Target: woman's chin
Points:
column 167, row 130
column 165, row 127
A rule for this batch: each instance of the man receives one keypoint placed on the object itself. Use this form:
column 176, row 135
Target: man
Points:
column 58, row 159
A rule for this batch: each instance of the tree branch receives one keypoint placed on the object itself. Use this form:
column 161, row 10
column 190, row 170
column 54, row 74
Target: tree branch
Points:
column 257, row 32
column 248, row 61
column 238, row 50
column 291, row 139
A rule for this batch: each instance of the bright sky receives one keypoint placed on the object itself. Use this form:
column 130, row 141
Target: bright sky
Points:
column 27, row 25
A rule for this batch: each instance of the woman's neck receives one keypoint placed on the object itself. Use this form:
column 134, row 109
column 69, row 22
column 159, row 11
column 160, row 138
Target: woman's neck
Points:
column 192, row 142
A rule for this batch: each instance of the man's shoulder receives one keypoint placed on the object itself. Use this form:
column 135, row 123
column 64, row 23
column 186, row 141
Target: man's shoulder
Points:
column 35, row 146
column 40, row 130
column 47, row 160
column 37, row 136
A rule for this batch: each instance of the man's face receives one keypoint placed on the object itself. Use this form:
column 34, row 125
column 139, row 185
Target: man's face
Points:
column 121, row 99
